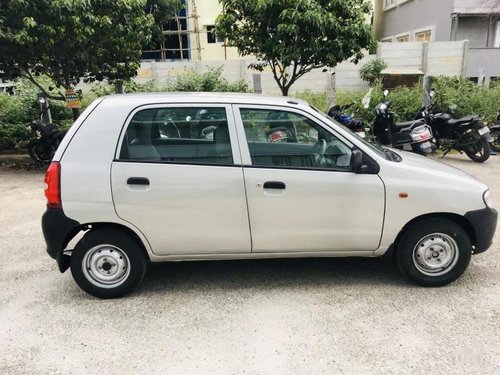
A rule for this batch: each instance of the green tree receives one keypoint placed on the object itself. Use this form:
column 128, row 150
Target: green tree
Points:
column 295, row 36
column 73, row 40
column 370, row 72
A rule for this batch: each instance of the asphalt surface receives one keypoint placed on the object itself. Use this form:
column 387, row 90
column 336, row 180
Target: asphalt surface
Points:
column 314, row 316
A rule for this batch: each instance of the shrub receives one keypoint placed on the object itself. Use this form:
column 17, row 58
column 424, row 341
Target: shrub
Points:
column 210, row 81
column 316, row 99
column 466, row 96
column 370, row 72
column 17, row 111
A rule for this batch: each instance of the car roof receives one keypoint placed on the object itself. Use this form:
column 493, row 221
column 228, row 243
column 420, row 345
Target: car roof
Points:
column 204, row 97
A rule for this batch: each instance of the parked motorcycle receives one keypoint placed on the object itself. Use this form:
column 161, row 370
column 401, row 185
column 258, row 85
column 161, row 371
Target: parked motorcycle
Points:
column 414, row 136
column 47, row 136
column 356, row 125
column 495, row 135
column 467, row 134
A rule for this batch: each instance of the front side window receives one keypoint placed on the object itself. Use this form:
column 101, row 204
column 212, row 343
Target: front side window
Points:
column 198, row 135
column 289, row 140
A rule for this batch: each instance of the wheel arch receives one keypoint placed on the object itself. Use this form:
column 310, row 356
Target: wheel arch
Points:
column 458, row 219
column 64, row 260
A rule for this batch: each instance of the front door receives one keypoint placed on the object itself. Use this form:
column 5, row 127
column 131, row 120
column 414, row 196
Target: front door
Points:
column 302, row 192
column 178, row 179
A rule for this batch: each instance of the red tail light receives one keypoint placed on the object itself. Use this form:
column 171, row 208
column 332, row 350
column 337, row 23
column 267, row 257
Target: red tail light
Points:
column 53, row 185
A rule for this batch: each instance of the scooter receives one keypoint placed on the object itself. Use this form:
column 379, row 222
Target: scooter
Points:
column 355, row 125
column 467, row 134
column 47, row 136
column 414, row 136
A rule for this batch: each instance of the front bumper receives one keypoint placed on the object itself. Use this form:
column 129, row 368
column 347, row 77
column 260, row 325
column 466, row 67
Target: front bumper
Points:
column 484, row 223
column 58, row 230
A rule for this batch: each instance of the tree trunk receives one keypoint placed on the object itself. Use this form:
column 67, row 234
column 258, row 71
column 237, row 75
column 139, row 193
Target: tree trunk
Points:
column 284, row 90
column 119, row 87
column 76, row 113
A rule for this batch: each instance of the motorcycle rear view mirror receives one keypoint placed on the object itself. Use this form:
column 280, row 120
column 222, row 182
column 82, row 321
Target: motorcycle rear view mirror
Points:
column 432, row 93
column 386, row 93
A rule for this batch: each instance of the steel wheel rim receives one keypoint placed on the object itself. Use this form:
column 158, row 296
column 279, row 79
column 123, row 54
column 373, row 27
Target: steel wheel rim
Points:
column 106, row 266
column 435, row 254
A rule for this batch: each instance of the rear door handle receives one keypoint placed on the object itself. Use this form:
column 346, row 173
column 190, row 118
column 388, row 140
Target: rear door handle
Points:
column 137, row 181
column 277, row 185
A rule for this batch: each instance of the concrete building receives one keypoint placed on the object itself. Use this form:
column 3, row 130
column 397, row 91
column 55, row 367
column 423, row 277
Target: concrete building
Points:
column 191, row 33
column 477, row 21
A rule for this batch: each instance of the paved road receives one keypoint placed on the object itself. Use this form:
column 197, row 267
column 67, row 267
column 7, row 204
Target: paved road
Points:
column 352, row 316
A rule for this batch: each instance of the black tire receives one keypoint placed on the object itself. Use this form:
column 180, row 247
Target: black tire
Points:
column 424, row 254
column 479, row 152
column 495, row 145
column 41, row 151
column 108, row 263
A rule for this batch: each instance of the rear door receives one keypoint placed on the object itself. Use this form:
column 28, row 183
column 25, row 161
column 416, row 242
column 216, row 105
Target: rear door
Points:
column 177, row 177
column 302, row 193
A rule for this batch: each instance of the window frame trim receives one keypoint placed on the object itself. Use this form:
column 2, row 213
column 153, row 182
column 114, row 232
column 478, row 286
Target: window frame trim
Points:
column 407, row 33
column 233, row 140
column 430, row 28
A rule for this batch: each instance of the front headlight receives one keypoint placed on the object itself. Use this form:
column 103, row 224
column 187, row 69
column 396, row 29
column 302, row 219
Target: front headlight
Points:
column 488, row 200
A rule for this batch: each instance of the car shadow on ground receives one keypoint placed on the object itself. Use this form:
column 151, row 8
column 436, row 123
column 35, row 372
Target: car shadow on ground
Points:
column 270, row 274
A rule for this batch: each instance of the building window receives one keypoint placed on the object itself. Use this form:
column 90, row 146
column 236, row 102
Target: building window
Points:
column 423, row 36
column 403, row 38
column 390, row 3
column 387, row 40
column 211, row 38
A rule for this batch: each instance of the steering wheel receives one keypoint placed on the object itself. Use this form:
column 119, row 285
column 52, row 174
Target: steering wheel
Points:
column 320, row 147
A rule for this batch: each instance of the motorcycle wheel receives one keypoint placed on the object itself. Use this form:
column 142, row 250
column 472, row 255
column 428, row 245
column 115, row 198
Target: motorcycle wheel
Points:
column 495, row 144
column 479, row 152
column 40, row 151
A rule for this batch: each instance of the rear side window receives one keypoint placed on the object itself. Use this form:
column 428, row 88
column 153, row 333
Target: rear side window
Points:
column 197, row 135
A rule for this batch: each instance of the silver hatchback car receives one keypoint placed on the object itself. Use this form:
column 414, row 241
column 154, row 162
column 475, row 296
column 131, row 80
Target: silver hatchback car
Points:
column 179, row 177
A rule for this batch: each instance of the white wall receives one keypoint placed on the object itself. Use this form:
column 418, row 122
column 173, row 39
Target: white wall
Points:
column 437, row 58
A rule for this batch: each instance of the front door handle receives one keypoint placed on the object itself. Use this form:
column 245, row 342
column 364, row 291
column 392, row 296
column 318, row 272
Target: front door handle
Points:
column 137, row 181
column 277, row 185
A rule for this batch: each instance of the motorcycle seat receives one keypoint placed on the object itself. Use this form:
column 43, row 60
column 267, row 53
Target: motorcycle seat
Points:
column 461, row 121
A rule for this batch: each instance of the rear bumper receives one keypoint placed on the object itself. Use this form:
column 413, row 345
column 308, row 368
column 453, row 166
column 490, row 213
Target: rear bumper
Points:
column 484, row 223
column 58, row 230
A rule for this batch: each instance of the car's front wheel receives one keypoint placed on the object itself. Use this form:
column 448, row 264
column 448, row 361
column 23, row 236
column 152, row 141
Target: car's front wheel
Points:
column 434, row 252
column 108, row 263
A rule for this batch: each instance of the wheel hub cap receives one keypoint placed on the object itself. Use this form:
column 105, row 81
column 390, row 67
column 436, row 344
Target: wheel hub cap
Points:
column 106, row 266
column 435, row 254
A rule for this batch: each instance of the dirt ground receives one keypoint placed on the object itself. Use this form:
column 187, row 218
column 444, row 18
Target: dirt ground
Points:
column 314, row 316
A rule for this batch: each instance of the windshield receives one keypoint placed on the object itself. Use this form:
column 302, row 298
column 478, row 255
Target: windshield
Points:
column 381, row 151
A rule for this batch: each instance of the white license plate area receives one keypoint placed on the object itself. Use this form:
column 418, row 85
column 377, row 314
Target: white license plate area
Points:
column 483, row 130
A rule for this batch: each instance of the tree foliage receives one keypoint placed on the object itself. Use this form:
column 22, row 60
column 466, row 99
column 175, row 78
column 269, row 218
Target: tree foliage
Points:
column 295, row 36
column 370, row 72
column 71, row 40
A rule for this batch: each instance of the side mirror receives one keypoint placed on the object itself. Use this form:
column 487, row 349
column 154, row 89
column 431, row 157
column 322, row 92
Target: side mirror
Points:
column 356, row 160
column 386, row 92
column 432, row 93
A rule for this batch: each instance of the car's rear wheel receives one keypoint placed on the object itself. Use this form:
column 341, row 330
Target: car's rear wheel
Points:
column 108, row 263
column 434, row 252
